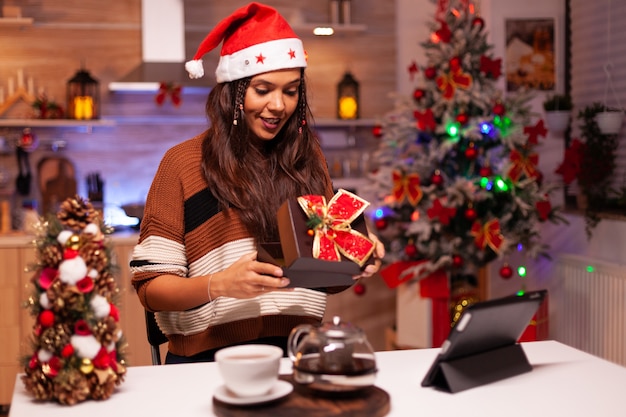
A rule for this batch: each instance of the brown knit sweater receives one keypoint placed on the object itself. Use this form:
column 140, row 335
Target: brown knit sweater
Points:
column 184, row 233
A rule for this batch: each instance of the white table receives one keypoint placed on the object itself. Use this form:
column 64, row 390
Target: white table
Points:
column 564, row 382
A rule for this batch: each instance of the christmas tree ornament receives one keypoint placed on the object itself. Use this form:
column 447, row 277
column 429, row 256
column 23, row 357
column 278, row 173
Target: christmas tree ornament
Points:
column 506, row 271
column 381, row 224
column 470, row 213
column 377, row 131
column 359, row 288
column 485, row 171
column 410, row 250
column 437, row 178
column 430, row 73
column 455, row 64
column 499, row 109
column 471, row 152
column 478, row 22
column 457, row 261
column 462, row 118
column 418, row 94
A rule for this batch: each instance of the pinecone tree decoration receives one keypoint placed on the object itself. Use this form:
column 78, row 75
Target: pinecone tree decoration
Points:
column 77, row 340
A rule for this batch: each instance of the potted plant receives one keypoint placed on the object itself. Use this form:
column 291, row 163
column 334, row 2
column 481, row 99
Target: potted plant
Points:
column 558, row 108
column 590, row 161
column 609, row 120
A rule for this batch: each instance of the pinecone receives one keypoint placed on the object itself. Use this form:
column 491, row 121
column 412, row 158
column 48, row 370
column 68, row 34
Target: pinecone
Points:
column 94, row 256
column 106, row 331
column 71, row 387
column 51, row 256
column 76, row 213
column 105, row 285
column 55, row 338
column 38, row 384
column 102, row 383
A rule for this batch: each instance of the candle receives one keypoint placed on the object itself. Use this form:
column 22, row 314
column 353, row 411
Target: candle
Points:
column 11, row 86
column 20, row 78
column 31, row 86
column 83, row 107
column 347, row 108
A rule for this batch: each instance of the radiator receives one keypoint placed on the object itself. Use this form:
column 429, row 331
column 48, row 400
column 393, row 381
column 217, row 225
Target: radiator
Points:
column 591, row 307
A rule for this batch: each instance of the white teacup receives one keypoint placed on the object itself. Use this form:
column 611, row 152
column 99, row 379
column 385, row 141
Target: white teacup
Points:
column 249, row 370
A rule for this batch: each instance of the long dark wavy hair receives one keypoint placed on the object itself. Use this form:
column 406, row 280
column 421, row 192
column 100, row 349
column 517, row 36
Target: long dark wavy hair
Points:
column 255, row 179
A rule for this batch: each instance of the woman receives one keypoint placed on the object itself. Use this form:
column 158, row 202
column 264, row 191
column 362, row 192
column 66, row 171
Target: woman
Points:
column 214, row 198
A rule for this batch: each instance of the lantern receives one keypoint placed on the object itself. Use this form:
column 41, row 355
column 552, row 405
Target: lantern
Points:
column 348, row 97
column 83, row 96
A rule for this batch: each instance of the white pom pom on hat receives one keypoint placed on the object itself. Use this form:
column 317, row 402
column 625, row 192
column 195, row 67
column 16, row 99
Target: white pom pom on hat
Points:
column 256, row 39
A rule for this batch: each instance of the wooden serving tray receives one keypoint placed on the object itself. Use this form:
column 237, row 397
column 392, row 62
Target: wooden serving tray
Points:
column 368, row 402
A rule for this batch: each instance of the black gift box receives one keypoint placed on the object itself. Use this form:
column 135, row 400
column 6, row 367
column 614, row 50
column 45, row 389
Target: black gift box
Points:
column 294, row 252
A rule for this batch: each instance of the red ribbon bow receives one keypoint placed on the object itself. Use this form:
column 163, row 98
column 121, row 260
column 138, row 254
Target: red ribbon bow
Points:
column 490, row 67
column 523, row 164
column 487, row 235
column 169, row 89
column 449, row 83
column 425, row 120
column 406, row 186
column 333, row 235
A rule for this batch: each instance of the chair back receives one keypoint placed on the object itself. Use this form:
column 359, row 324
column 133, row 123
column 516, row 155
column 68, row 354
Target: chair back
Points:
column 155, row 337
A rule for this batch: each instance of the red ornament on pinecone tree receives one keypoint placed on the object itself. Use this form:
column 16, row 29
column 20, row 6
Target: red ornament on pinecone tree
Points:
column 457, row 261
column 437, row 179
column 418, row 94
column 377, row 131
column 470, row 213
column 410, row 250
column 381, row 224
column 499, row 109
column 471, row 152
column 430, row 73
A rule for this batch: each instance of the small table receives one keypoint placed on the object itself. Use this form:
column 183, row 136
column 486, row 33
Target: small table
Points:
column 564, row 382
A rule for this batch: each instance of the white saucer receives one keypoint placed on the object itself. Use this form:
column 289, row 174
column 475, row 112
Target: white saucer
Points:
column 281, row 389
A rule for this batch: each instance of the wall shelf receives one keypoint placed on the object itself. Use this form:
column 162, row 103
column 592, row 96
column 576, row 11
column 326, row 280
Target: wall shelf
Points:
column 58, row 123
column 327, row 122
column 16, row 21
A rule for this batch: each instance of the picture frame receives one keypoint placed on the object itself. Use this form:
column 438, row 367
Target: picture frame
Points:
column 531, row 53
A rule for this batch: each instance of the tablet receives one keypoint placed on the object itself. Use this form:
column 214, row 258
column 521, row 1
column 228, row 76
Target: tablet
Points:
column 484, row 327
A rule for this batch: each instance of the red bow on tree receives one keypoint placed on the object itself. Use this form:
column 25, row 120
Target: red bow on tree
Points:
column 406, row 186
column 441, row 212
column 523, row 164
column 449, row 83
column 571, row 165
column 169, row 89
column 487, row 235
column 490, row 67
column 425, row 120
column 444, row 34
column 544, row 208
column 331, row 226
column 413, row 69
column 535, row 131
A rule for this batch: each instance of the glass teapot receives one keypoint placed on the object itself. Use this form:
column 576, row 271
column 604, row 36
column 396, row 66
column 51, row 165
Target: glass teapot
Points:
column 334, row 357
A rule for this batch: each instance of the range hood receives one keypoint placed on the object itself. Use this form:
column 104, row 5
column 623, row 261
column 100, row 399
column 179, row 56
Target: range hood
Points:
column 163, row 50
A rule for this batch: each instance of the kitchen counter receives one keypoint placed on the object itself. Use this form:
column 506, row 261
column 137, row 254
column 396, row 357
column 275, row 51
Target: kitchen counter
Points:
column 21, row 239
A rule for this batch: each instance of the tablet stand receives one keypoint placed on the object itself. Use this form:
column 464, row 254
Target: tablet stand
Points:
column 482, row 368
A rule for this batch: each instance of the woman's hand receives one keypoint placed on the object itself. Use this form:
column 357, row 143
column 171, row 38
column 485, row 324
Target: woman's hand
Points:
column 247, row 278
column 379, row 254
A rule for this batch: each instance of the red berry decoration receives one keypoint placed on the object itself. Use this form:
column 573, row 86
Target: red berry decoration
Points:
column 499, row 109
column 455, row 63
column 462, row 118
column 471, row 152
column 46, row 318
column 437, row 179
column 430, row 73
column 418, row 94
column 470, row 213
column 377, row 131
column 506, row 271
column 485, row 171
column 457, row 261
column 359, row 289
column 478, row 21
column 381, row 224
column 410, row 250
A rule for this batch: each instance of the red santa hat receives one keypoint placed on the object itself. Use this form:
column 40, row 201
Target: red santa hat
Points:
column 256, row 39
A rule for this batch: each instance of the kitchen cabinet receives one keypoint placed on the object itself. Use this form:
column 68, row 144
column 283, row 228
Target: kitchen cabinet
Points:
column 16, row 323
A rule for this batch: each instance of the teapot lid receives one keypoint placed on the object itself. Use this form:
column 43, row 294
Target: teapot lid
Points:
column 339, row 330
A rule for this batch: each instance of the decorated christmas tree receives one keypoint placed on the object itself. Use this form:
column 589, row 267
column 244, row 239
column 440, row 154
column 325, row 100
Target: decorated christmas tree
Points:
column 77, row 344
column 457, row 181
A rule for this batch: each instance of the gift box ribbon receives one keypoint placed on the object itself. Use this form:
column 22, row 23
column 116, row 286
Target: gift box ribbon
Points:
column 330, row 223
